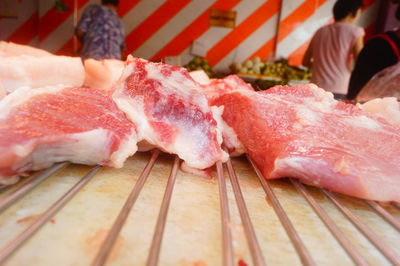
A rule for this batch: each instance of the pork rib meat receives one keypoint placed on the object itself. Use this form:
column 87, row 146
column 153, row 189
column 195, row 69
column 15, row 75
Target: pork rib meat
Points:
column 302, row 132
column 53, row 124
column 170, row 111
column 213, row 88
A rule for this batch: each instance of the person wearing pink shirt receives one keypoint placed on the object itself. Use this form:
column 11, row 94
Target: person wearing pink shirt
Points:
column 335, row 47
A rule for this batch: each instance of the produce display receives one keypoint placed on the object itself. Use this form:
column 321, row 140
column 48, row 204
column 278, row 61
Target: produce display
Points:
column 268, row 74
column 200, row 63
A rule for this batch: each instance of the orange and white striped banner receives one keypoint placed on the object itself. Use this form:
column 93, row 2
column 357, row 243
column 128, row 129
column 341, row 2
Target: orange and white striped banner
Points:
column 158, row 28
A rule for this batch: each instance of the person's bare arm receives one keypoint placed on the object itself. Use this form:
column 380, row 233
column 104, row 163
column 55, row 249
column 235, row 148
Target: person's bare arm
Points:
column 79, row 34
column 307, row 59
column 359, row 44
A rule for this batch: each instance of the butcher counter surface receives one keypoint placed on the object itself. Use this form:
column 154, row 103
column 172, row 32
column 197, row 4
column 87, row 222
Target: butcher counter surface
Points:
column 193, row 230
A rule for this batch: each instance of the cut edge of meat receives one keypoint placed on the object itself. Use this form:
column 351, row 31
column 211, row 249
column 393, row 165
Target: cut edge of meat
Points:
column 88, row 147
column 128, row 147
column 7, row 48
column 226, row 135
column 206, row 173
column 354, row 183
column 23, row 94
column 387, row 108
column 37, row 72
column 138, row 117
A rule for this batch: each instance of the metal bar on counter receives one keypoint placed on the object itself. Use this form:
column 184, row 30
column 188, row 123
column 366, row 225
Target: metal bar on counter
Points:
column 227, row 257
column 384, row 214
column 330, row 224
column 108, row 243
column 155, row 248
column 373, row 238
column 256, row 254
column 25, row 188
column 301, row 249
column 20, row 239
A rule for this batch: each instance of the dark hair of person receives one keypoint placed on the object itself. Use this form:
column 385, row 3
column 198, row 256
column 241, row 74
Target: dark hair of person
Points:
column 342, row 8
column 397, row 14
column 112, row 2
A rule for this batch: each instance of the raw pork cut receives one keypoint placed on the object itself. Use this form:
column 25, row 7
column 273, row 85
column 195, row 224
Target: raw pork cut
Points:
column 54, row 124
column 213, row 88
column 13, row 49
column 388, row 108
column 2, row 90
column 170, row 111
column 302, row 132
column 383, row 84
column 200, row 77
column 103, row 74
column 36, row 72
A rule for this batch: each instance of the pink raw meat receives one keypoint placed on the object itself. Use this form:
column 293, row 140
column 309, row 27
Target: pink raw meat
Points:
column 383, row 84
column 103, row 74
column 200, row 77
column 54, row 124
column 217, row 87
column 170, row 111
column 388, row 108
column 37, row 72
column 3, row 92
column 14, row 49
column 303, row 132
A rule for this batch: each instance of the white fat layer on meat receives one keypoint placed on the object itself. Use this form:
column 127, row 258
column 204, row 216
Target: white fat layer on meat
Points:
column 388, row 108
column 200, row 77
column 187, row 148
column 36, row 72
column 24, row 94
column 22, row 150
column 362, row 122
column 6, row 181
column 231, row 140
column 217, row 115
column 175, row 83
column 296, row 167
column 324, row 106
column 134, row 110
column 90, row 148
column 13, row 77
column 305, row 116
column 127, row 148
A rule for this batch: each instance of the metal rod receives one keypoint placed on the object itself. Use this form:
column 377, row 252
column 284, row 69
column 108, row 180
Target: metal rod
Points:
column 24, row 189
column 384, row 214
column 386, row 251
column 19, row 240
column 227, row 258
column 301, row 249
column 155, row 248
column 256, row 254
column 330, row 224
column 108, row 243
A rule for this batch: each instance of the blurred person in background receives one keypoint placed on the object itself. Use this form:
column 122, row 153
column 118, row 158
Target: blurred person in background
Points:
column 101, row 31
column 334, row 48
column 380, row 52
